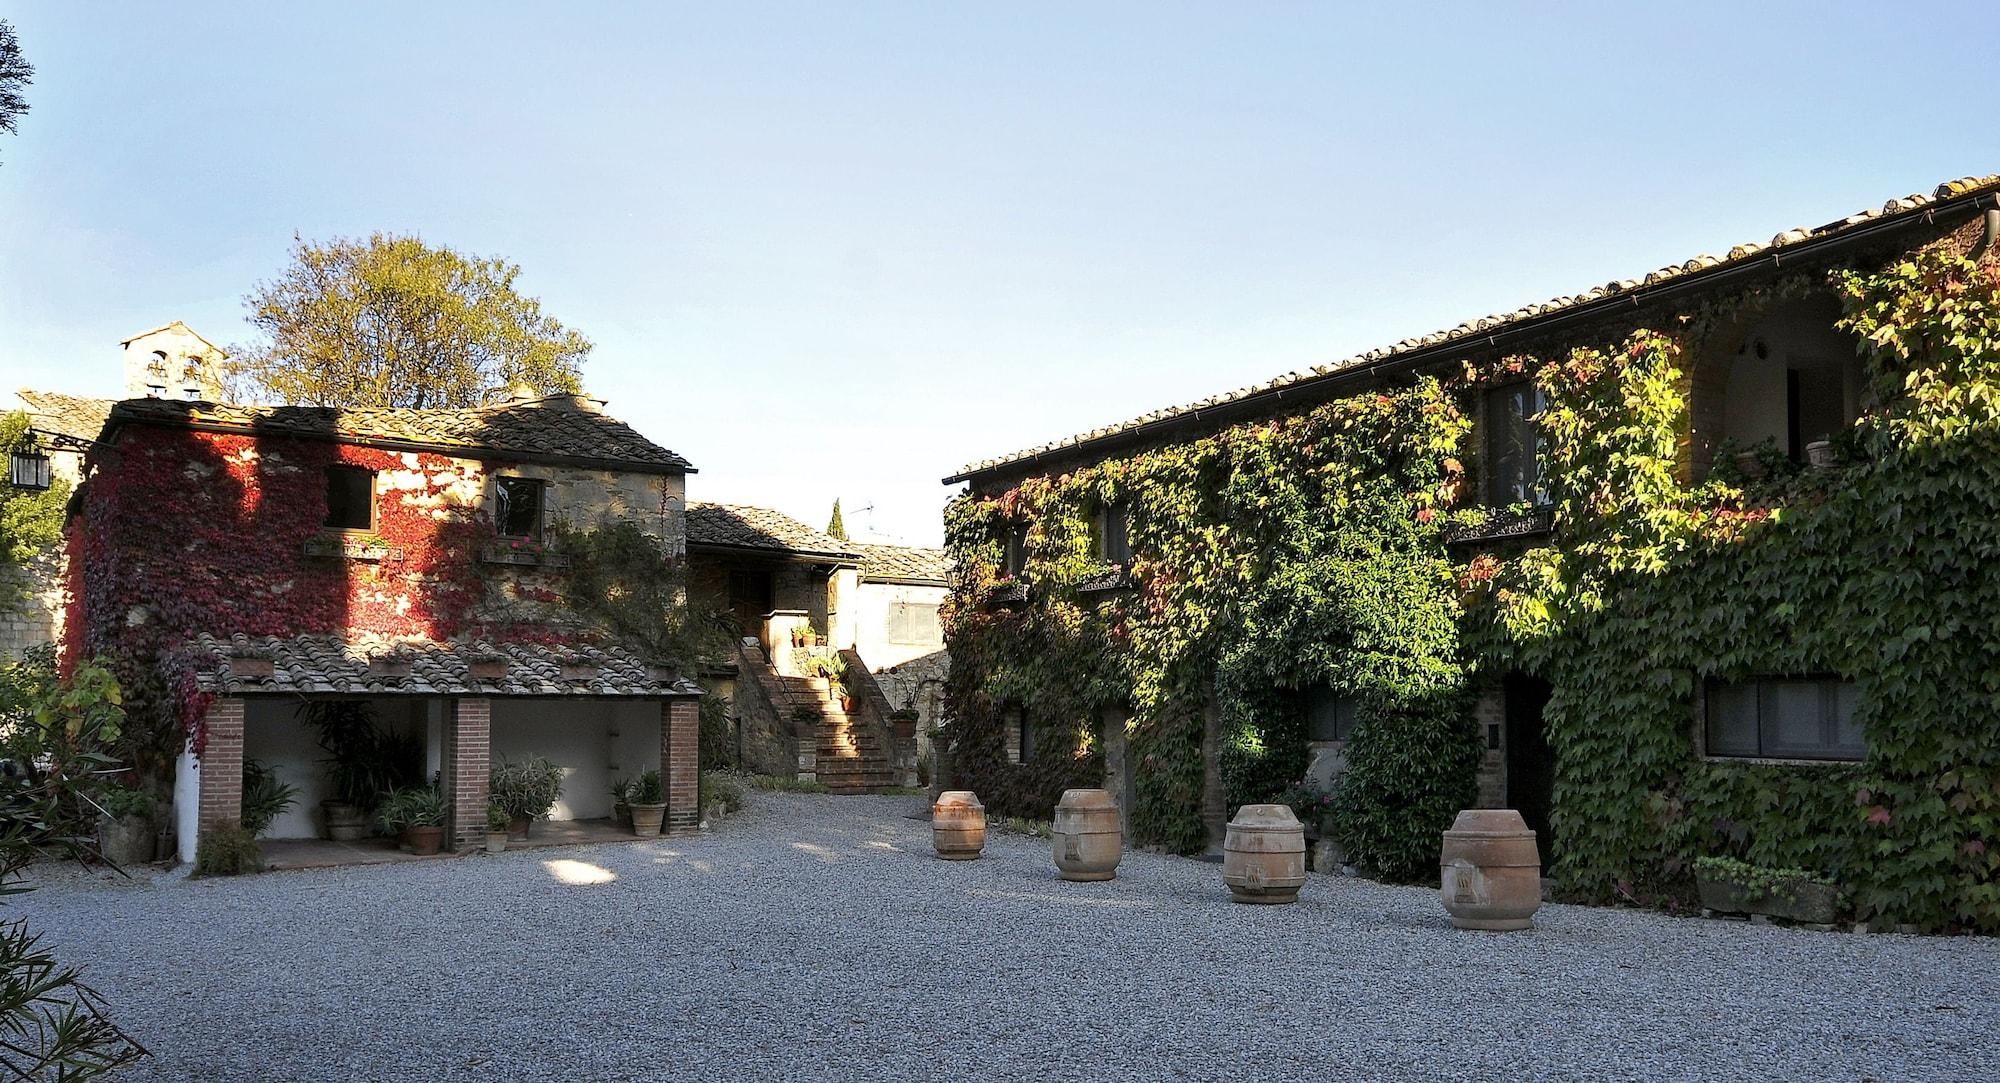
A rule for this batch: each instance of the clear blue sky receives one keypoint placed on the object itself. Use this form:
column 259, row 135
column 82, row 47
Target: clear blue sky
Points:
column 841, row 249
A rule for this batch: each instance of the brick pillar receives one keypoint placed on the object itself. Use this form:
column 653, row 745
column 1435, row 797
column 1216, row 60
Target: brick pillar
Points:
column 465, row 765
column 222, row 763
column 680, row 763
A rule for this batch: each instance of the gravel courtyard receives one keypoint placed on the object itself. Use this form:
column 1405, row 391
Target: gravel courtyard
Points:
column 817, row 938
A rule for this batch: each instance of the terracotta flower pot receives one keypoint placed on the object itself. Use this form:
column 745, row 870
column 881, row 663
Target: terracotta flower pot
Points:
column 646, row 820
column 1489, row 871
column 496, row 842
column 958, row 825
column 1087, row 840
column 517, row 828
column 1264, row 855
column 424, row 841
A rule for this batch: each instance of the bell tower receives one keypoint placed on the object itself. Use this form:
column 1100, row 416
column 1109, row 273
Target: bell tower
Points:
column 173, row 362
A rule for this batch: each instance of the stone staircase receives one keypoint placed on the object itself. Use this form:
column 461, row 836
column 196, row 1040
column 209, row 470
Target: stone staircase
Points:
column 849, row 758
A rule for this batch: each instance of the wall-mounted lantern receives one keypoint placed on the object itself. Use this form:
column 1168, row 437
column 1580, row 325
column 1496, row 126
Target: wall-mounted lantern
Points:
column 29, row 469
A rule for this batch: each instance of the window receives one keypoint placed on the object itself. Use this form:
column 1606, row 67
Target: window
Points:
column 914, row 623
column 193, row 394
column 1514, row 446
column 1789, row 718
column 1329, row 715
column 517, row 507
column 1024, row 736
column 1114, row 534
column 1014, row 560
column 350, row 498
column 157, row 367
column 156, row 391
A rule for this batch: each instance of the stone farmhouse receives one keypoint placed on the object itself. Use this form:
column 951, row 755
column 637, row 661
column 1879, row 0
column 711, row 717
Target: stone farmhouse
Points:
column 268, row 558
column 1686, row 565
column 796, row 600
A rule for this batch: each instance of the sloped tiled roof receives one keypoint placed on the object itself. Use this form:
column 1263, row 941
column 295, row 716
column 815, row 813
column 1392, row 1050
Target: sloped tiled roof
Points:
column 740, row 526
column 559, row 427
column 332, row 665
column 903, row 563
column 1909, row 207
column 66, row 415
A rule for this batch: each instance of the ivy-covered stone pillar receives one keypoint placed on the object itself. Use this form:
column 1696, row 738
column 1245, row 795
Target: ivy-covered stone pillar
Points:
column 221, row 762
column 680, row 763
column 465, row 764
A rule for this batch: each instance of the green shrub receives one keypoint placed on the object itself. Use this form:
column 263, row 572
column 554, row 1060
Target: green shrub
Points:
column 646, row 790
column 786, row 784
column 121, row 801
column 416, row 806
column 497, row 818
column 264, row 797
column 718, row 737
column 1409, row 772
column 526, row 788
column 721, row 788
column 227, row 849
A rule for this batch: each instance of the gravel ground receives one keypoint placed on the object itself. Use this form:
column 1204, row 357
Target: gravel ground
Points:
column 816, row 937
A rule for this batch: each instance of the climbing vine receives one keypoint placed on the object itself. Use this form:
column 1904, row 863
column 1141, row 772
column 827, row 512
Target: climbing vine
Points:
column 1306, row 550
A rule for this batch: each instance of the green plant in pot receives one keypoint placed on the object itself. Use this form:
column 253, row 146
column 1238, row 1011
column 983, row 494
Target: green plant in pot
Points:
column 416, row 815
column 125, row 834
column 621, row 802
column 496, row 828
column 527, row 789
column 649, row 805
column 365, row 763
column 264, row 797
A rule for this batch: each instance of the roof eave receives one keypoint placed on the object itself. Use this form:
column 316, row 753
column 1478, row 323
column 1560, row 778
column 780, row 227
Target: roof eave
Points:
column 1257, row 402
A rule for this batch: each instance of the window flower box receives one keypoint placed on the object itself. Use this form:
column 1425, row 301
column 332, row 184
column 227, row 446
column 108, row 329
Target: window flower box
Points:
column 337, row 546
column 247, row 664
column 1110, row 579
column 488, row 667
column 1728, row 886
column 525, row 554
column 1501, row 524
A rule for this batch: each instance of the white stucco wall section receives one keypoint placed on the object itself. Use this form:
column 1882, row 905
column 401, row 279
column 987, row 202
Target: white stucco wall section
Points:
column 596, row 742
column 871, row 622
column 187, row 803
column 274, row 736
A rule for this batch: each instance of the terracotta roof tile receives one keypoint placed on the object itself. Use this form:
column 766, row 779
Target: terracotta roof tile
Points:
column 904, row 563
column 66, row 415
column 379, row 666
column 741, row 526
column 560, row 427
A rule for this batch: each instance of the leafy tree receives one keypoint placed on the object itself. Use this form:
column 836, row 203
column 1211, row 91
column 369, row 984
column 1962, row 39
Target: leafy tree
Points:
column 15, row 75
column 392, row 321
column 835, row 527
column 30, row 522
column 58, row 730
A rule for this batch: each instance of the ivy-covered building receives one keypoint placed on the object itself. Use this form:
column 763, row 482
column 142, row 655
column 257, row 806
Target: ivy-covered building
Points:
column 1696, row 564
column 451, row 575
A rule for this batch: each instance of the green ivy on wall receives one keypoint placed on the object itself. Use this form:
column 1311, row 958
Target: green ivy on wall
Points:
column 1305, row 551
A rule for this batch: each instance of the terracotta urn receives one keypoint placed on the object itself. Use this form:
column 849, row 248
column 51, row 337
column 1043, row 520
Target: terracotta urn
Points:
column 646, row 819
column 1490, row 872
column 958, row 825
column 1087, row 839
column 1264, row 855
column 424, row 840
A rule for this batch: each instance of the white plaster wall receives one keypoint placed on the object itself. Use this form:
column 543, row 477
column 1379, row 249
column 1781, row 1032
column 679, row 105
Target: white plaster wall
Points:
column 596, row 742
column 187, row 803
column 1800, row 336
column 274, row 736
column 870, row 610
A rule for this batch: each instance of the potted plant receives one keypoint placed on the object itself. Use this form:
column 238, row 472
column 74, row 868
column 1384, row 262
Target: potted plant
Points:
column 527, row 789
column 264, row 797
column 649, row 805
column 364, row 764
column 125, row 831
column 416, row 815
column 1730, row 886
column 496, row 828
column 621, row 802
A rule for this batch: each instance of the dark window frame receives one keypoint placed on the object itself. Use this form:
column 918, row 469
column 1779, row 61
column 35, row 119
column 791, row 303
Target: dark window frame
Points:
column 1112, row 538
column 1763, row 688
column 349, row 470
column 501, row 511
column 1014, row 550
column 1341, row 705
column 1513, row 447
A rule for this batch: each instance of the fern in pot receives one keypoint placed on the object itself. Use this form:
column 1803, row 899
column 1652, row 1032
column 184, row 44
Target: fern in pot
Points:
column 527, row 789
column 416, row 816
column 649, row 805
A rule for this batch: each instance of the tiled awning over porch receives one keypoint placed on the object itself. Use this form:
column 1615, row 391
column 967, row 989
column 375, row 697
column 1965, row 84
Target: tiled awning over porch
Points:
column 382, row 666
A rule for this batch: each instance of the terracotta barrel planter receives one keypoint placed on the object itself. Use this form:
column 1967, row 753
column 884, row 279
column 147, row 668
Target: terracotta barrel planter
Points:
column 517, row 828
column 1490, row 871
column 1264, row 855
column 345, row 822
column 1087, row 840
column 958, row 825
column 496, row 842
column 424, row 840
column 125, row 840
column 646, row 820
